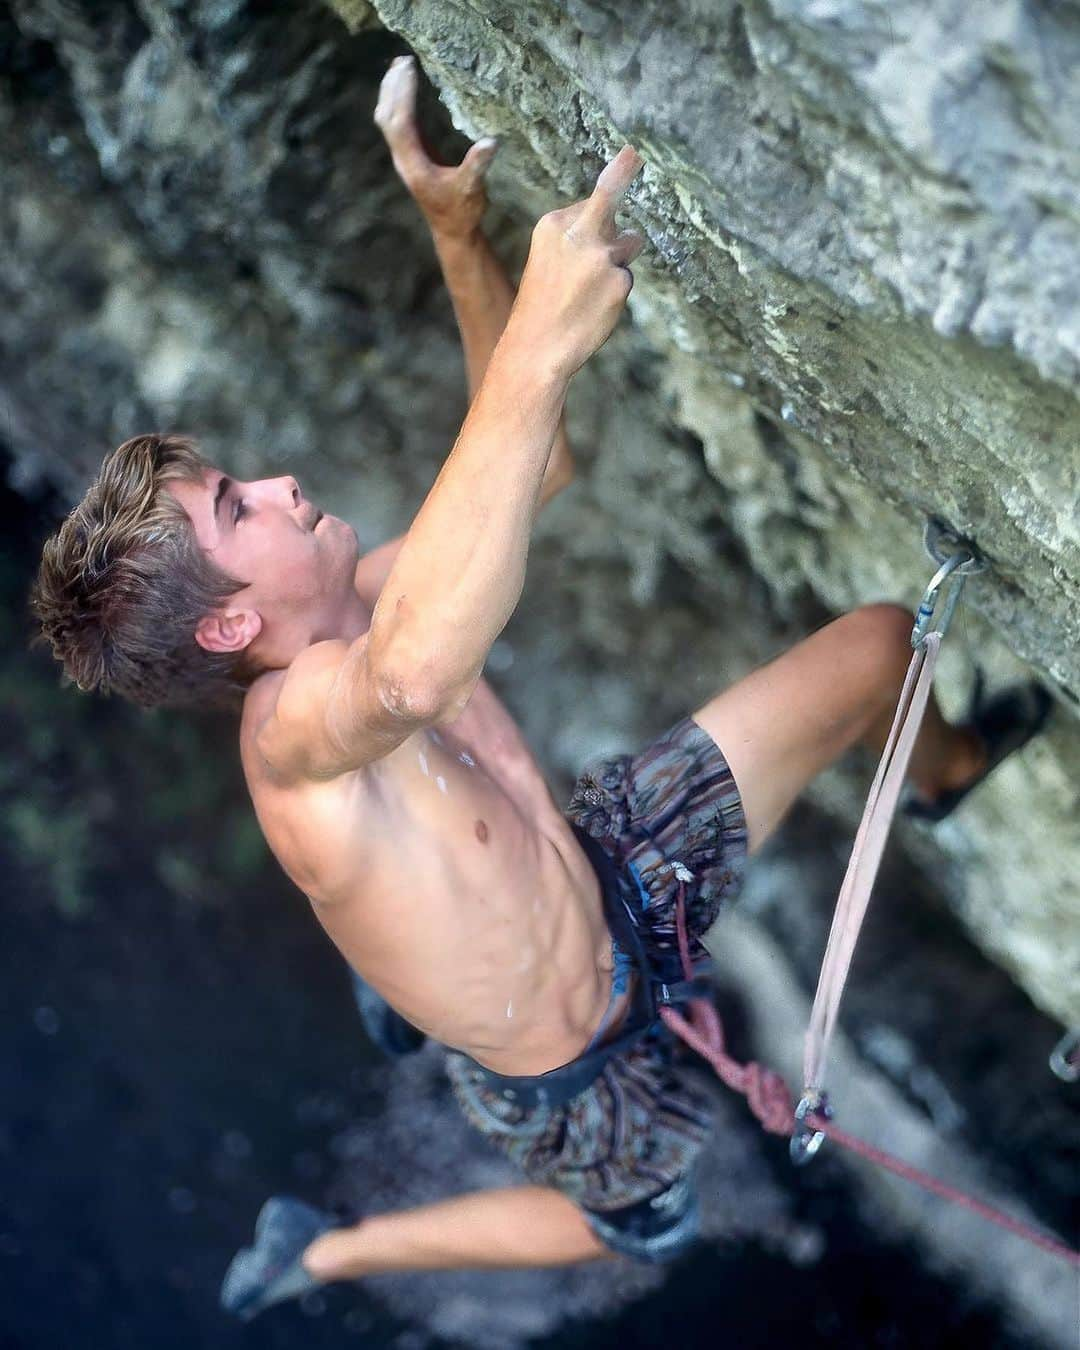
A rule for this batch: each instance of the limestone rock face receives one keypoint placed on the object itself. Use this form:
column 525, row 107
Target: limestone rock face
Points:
column 865, row 218
column 860, row 299
column 857, row 307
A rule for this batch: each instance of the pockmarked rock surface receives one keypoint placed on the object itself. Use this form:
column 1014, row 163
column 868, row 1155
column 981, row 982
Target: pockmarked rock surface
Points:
column 202, row 229
column 864, row 217
column 856, row 307
column 861, row 292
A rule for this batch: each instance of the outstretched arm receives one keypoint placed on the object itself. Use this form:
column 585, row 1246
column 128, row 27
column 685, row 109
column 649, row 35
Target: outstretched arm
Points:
column 453, row 202
column 460, row 571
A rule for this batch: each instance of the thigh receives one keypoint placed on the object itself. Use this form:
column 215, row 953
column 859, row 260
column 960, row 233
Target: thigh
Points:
column 785, row 722
column 676, row 800
column 626, row 1138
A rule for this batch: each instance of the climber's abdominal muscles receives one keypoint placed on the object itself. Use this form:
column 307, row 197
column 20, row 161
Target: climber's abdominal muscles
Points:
column 449, row 879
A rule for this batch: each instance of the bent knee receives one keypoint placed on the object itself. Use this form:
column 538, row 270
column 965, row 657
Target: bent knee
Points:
column 885, row 621
column 882, row 632
column 877, row 647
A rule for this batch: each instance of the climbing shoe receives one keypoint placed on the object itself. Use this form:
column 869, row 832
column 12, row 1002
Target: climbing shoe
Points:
column 1004, row 723
column 389, row 1030
column 271, row 1270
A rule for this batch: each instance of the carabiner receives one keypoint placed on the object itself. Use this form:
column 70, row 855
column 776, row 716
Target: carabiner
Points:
column 806, row 1141
column 1065, row 1057
column 961, row 562
column 925, row 611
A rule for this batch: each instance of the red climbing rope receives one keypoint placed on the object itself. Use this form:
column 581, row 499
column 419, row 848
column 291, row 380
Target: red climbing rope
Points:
column 770, row 1100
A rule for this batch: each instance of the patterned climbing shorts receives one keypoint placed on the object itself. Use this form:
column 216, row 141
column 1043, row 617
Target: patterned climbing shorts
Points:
column 624, row 1149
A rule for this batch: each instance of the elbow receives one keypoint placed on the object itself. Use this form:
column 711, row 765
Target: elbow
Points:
column 416, row 685
column 422, row 699
column 407, row 699
column 394, row 677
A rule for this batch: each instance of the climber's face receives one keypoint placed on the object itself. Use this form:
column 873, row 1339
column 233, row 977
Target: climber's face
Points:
column 296, row 565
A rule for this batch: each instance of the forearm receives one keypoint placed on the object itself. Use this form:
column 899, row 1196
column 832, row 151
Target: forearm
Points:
column 483, row 296
column 461, row 568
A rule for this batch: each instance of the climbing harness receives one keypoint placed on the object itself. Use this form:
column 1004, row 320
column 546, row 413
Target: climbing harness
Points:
column 653, row 989
column 810, row 1122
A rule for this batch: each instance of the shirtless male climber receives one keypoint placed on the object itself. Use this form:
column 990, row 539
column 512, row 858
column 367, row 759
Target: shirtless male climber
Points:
column 399, row 795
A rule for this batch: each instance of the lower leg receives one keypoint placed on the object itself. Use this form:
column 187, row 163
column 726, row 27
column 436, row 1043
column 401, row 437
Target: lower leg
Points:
column 512, row 1227
column 942, row 757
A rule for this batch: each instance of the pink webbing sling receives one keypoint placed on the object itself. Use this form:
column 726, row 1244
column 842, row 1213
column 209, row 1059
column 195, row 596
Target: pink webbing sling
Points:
column 863, row 867
column 766, row 1092
column 957, row 559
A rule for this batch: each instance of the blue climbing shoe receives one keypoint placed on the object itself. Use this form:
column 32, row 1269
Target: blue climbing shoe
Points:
column 271, row 1271
column 389, row 1030
column 1004, row 723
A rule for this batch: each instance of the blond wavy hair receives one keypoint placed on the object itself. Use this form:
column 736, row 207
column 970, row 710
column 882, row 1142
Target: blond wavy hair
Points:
column 124, row 582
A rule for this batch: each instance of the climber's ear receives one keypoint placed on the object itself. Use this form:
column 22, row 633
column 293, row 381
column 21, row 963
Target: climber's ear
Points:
column 228, row 630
